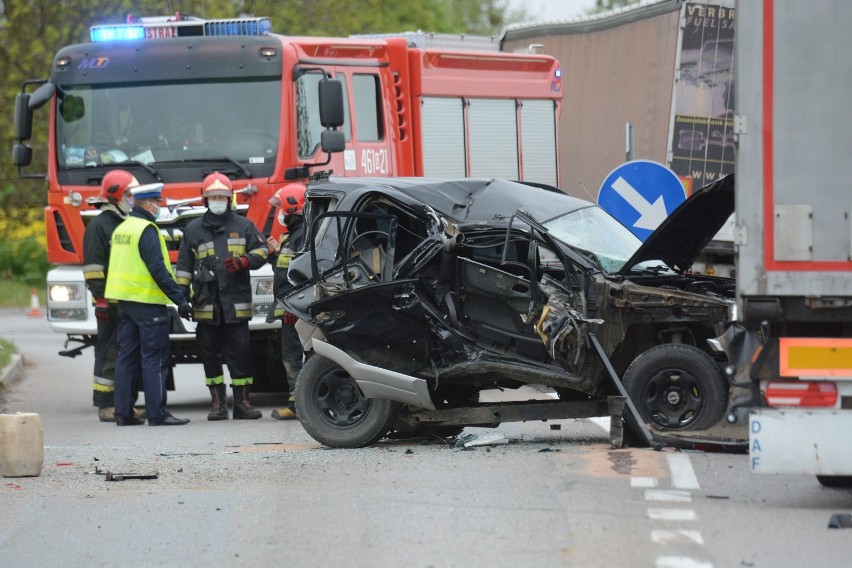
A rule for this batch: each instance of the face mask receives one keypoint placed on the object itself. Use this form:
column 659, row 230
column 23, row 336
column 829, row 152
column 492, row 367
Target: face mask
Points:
column 157, row 213
column 125, row 205
column 217, row 207
column 282, row 219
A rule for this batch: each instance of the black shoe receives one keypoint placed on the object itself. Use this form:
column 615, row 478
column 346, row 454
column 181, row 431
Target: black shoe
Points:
column 128, row 421
column 170, row 421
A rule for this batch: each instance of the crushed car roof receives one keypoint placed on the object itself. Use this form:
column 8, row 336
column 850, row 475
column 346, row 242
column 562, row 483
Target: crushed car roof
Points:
column 473, row 199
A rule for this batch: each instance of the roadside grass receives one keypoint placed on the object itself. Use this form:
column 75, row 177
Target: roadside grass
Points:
column 6, row 350
column 16, row 294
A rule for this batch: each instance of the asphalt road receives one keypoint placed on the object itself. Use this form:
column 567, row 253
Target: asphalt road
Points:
column 263, row 493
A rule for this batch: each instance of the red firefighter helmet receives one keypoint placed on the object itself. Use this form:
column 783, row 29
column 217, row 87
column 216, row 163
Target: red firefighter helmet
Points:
column 290, row 198
column 216, row 184
column 115, row 183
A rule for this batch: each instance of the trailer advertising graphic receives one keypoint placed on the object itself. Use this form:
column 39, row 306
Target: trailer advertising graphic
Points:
column 702, row 131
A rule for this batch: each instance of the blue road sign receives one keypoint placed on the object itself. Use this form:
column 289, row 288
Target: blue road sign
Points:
column 641, row 194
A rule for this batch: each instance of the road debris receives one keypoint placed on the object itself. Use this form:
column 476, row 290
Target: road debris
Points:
column 110, row 476
column 487, row 439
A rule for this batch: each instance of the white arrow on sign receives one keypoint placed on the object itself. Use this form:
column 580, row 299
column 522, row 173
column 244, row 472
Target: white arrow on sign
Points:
column 650, row 215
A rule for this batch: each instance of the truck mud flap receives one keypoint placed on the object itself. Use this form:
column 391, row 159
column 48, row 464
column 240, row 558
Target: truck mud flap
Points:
column 376, row 382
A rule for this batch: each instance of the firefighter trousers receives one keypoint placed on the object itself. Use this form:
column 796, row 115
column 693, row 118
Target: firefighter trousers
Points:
column 227, row 343
column 106, row 356
column 292, row 354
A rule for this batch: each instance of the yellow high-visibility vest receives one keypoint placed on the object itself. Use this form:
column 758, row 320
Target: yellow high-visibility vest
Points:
column 128, row 277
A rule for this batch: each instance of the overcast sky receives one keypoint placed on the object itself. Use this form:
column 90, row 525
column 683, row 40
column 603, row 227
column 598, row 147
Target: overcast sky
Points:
column 553, row 9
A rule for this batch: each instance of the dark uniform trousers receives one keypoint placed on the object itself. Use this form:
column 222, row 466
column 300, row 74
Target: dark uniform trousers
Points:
column 143, row 337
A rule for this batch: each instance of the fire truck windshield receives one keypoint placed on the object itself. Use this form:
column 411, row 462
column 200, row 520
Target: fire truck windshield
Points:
column 168, row 122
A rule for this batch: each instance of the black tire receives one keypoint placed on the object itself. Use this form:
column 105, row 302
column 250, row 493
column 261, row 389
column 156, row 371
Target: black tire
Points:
column 835, row 481
column 334, row 411
column 675, row 387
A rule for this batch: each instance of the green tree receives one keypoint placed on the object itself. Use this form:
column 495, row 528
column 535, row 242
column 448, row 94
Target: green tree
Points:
column 32, row 31
column 607, row 5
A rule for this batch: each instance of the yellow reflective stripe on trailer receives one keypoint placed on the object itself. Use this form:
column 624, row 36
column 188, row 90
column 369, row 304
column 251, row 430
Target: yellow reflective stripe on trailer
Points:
column 815, row 357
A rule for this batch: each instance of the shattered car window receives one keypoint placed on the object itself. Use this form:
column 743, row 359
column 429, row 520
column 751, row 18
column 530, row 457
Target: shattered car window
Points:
column 598, row 236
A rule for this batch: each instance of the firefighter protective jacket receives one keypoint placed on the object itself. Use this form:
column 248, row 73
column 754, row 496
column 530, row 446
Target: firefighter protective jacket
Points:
column 96, row 247
column 219, row 295
column 292, row 242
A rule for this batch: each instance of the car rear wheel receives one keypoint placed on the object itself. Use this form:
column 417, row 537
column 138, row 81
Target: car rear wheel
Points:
column 334, row 411
column 676, row 387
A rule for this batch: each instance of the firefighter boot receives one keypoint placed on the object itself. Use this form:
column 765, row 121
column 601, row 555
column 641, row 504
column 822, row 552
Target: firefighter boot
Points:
column 107, row 414
column 286, row 413
column 220, row 402
column 243, row 410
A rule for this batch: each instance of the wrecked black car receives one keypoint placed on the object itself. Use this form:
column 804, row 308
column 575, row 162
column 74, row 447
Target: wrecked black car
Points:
column 416, row 295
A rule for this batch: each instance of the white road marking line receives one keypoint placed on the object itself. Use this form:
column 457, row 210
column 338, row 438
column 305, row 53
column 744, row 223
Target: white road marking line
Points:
column 643, row 482
column 683, row 476
column 681, row 562
column 676, row 536
column 672, row 496
column 671, row 514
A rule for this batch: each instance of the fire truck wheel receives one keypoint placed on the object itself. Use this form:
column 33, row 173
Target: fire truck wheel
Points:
column 333, row 410
column 676, row 387
column 835, row 481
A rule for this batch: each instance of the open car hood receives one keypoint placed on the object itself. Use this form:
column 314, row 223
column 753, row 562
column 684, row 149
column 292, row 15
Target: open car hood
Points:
column 683, row 234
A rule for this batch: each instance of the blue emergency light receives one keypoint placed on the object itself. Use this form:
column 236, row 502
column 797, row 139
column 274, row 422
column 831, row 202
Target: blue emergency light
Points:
column 117, row 33
column 181, row 26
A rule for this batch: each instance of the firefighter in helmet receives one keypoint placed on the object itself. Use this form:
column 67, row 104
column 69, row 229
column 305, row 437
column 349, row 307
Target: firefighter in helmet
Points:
column 114, row 202
column 216, row 254
column 290, row 201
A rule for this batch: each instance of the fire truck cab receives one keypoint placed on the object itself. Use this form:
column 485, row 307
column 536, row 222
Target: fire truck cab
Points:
column 172, row 99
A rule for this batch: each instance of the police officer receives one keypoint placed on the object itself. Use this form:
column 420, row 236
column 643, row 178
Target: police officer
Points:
column 114, row 202
column 140, row 277
column 290, row 201
column 216, row 253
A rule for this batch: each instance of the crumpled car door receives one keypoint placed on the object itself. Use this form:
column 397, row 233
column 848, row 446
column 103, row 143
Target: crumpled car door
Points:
column 384, row 324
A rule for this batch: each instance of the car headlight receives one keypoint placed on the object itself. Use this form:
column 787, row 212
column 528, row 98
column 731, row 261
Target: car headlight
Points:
column 66, row 301
column 262, row 297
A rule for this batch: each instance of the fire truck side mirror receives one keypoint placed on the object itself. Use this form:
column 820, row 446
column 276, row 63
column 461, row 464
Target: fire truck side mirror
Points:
column 331, row 102
column 332, row 141
column 22, row 155
column 23, row 117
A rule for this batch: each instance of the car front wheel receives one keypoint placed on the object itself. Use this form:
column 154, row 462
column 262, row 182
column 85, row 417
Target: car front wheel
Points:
column 334, row 411
column 676, row 387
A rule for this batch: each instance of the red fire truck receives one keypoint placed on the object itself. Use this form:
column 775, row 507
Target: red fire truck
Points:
column 172, row 99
